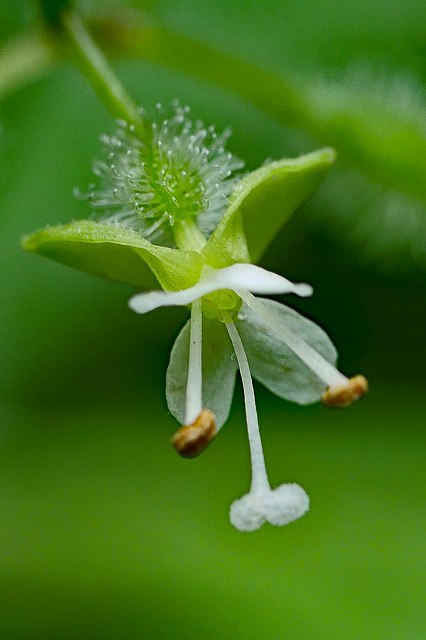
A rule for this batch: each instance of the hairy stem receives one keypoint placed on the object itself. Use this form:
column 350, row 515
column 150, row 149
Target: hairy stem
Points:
column 95, row 67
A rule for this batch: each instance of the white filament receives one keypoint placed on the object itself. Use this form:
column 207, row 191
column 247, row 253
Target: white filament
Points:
column 193, row 406
column 314, row 360
column 260, row 482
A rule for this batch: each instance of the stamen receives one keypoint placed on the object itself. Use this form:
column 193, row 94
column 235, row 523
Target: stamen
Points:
column 194, row 385
column 345, row 396
column 260, row 482
column 285, row 503
column 190, row 440
column 314, row 360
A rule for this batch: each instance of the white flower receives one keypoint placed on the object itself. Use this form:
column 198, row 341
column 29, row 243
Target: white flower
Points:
column 289, row 354
column 173, row 208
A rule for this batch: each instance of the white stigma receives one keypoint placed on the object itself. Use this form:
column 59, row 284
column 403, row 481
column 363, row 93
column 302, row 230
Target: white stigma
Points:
column 280, row 506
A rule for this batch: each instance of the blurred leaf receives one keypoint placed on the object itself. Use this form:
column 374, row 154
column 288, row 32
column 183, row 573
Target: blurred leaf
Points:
column 379, row 121
column 106, row 532
column 381, row 227
column 384, row 220
column 23, row 60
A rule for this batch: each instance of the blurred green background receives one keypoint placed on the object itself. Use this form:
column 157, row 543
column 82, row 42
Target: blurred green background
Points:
column 104, row 532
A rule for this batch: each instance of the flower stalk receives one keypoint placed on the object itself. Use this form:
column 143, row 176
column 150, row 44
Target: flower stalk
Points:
column 188, row 236
column 98, row 72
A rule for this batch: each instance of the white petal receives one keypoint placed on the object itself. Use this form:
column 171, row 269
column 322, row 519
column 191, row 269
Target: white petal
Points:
column 272, row 361
column 252, row 278
column 218, row 372
column 145, row 302
column 239, row 277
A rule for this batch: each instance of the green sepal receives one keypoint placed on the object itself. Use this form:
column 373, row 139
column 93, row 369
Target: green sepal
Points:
column 262, row 203
column 222, row 305
column 117, row 254
column 272, row 361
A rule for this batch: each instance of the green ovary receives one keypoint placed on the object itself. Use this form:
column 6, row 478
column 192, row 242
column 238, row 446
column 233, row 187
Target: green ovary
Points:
column 221, row 305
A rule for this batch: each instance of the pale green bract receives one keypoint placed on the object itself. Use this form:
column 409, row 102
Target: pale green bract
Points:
column 210, row 270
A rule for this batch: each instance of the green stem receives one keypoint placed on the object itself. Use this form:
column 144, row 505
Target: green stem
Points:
column 188, row 236
column 95, row 67
column 130, row 34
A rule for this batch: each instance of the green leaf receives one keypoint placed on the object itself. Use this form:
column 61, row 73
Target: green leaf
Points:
column 273, row 363
column 262, row 203
column 117, row 254
column 219, row 371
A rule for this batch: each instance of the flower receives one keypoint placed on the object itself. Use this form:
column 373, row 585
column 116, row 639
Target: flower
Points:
column 175, row 187
column 289, row 354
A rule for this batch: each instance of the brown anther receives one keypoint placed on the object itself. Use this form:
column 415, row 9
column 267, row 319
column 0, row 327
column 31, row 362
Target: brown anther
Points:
column 343, row 396
column 190, row 440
